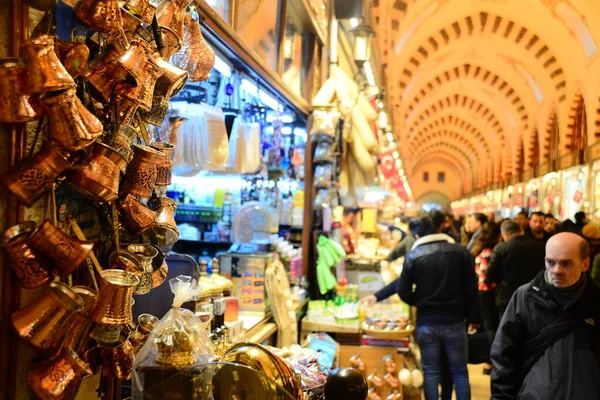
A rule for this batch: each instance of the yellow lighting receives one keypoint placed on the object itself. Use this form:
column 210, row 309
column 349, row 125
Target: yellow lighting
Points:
column 354, row 22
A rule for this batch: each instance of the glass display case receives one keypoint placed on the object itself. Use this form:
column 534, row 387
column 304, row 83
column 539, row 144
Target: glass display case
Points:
column 222, row 8
column 257, row 24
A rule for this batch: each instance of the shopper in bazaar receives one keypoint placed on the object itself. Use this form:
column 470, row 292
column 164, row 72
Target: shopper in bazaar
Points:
column 536, row 227
column 548, row 342
column 522, row 219
column 477, row 221
column 513, row 263
column 550, row 224
column 439, row 279
column 405, row 244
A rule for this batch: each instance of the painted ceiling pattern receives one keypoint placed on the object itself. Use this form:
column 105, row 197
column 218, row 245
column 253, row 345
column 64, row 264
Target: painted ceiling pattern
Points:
column 489, row 88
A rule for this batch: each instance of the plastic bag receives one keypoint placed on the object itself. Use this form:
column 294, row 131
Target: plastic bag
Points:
column 178, row 341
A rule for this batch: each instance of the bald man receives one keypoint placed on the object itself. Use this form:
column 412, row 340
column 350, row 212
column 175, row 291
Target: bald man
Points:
column 548, row 342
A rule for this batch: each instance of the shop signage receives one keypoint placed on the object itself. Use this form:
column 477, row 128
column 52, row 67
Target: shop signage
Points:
column 387, row 164
column 578, row 196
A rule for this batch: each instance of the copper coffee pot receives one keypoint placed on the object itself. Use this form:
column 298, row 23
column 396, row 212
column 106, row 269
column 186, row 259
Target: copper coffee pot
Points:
column 99, row 15
column 135, row 59
column 164, row 169
column 126, row 111
column 40, row 323
column 140, row 177
column 77, row 330
column 74, row 56
column 97, row 177
column 104, row 73
column 135, row 216
column 36, row 174
column 45, row 73
column 59, row 378
column 15, row 104
column 114, row 302
column 170, row 14
column 198, row 58
column 163, row 232
column 123, row 141
column 144, row 254
column 72, row 126
column 28, row 267
column 171, row 81
column 160, row 269
column 63, row 251
column 142, row 94
column 117, row 359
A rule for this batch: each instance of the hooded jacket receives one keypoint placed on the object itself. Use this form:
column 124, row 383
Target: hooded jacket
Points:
column 438, row 278
column 569, row 369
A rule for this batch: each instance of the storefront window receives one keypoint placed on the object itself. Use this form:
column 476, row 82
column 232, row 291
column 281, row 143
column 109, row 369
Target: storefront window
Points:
column 221, row 7
column 574, row 192
column 256, row 23
column 292, row 55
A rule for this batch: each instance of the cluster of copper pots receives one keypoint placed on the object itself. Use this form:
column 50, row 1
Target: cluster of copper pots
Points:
column 36, row 254
column 15, row 105
column 140, row 178
column 145, row 261
column 163, row 231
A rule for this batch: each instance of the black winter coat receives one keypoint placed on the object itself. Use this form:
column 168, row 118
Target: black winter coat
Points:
column 514, row 263
column 438, row 278
column 567, row 370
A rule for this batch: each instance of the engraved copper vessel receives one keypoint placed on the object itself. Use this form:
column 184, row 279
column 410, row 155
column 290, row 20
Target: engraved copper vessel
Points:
column 117, row 360
column 36, row 174
column 163, row 231
column 125, row 111
column 104, row 74
column 15, row 106
column 159, row 267
column 140, row 178
column 137, row 340
column 135, row 59
column 171, row 81
column 106, row 334
column 77, row 330
column 59, row 378
column 114, row 302
column 131, row 23
column 72, row 126
column 135, row 216
column 145, row 254
column 63, row 251
column 164, row 168
column 97, row 177
column 124, row 260
column 142, row 8
column 146, row 323
column 141, row 95
column 40, row 323
column 74, row 57
column 27, row 266
column 45, row 73
column 198, row 58
column 170, row 14
column 99, row 15
column 158, row 112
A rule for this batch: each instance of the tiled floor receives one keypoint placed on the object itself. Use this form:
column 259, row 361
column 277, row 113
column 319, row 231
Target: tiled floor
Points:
column 480, row 383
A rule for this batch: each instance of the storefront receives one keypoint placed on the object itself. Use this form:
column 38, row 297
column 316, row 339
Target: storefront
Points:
column 550, row 193
column 574, row 192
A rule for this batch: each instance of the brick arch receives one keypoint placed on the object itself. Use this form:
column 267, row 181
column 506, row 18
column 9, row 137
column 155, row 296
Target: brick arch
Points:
column 551, row 137
column 453, row 136
column 451, row 161
column 577, row 124
column 534, row 150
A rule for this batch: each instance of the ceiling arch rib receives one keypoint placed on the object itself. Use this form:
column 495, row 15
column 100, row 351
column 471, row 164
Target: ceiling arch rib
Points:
column 467, row 71
column 452, row 137
column 452, row 165
column 467, row 162
column 480, row 24
column 460, row 103
column 448, row 120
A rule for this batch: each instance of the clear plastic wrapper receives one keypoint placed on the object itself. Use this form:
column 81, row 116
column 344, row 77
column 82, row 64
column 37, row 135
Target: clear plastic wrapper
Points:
column 178, row 341
column 324, row 151
column 325, row 122
column 324, row 174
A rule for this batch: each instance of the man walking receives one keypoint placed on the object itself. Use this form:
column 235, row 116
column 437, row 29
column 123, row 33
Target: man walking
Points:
column 536, row 227
column 439, row 279
column 548, row 342
column 405, row 244
column 477, row 221
column 513, row 263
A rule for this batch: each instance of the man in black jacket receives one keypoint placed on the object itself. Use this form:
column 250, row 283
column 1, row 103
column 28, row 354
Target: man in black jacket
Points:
column 438, row 278
column 513, row 263
column 547, row 345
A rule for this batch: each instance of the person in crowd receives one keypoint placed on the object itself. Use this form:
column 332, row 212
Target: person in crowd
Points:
column 591, row 233
column 449, row 227
column 536, row 227
column 567, row 226
column 477, row 221
column 580, row 220
column 405, row 244
column 522, row 219
column 547, row 342
column 466, row 230
column 513, row 263
column 550, row 224
column 489, row 238
column 439, row 279
column 349, row 231
column 491, row 216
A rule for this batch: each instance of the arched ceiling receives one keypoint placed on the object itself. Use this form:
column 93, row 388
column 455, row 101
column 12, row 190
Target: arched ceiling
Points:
column 473, row 85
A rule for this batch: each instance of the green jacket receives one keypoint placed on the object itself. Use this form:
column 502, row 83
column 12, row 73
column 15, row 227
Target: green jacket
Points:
column 401, row 248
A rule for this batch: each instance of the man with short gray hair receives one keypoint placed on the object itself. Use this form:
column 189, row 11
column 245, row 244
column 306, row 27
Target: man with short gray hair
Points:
column 513, row 263
column 548, row 343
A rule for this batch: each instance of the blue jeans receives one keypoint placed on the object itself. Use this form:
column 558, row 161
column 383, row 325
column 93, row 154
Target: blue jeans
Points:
column 452, row 340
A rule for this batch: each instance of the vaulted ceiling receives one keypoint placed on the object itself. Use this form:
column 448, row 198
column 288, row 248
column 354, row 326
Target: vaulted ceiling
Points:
column 476, row 86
